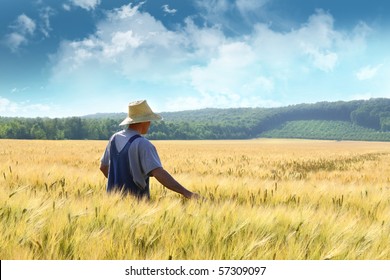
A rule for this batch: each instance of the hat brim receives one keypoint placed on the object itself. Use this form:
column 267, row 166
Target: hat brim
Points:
column 148, row 118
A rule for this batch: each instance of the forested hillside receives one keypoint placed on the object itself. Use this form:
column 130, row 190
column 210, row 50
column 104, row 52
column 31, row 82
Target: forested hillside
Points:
column 353, row 120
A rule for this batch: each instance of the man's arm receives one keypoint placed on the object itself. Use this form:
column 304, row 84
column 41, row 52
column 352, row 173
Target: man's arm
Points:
column 169, row 182
column 104, row 169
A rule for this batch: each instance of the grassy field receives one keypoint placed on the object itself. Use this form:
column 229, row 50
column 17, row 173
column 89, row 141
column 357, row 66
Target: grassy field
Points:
column 265, row 199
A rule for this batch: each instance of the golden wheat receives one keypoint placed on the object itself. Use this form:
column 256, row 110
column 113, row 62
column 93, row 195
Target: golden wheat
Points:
column 265, row 199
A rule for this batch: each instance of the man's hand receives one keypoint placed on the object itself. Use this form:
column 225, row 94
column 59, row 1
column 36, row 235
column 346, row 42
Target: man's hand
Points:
column 169, row 182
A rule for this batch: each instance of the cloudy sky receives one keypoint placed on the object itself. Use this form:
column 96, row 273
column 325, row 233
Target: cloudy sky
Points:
column 74, row 57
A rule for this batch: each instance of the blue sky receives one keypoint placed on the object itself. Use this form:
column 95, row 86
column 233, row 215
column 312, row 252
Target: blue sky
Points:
column 63, row 58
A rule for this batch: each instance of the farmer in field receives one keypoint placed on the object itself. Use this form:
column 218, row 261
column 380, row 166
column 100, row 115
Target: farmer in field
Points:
column 130, row 159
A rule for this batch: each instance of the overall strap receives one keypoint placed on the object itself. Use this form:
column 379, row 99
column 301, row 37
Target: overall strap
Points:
column 119, row 178
column 129, row 142
column 114, row 149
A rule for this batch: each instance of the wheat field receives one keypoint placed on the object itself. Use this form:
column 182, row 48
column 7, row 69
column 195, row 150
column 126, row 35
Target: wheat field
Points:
column 263, row 199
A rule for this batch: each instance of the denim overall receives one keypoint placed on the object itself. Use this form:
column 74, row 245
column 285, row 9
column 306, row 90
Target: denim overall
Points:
column 119, row 177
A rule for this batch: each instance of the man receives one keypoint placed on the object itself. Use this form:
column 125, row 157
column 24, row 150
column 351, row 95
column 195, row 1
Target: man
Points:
column 130, row 159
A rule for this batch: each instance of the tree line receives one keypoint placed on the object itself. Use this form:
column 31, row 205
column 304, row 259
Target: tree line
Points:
column 234, row 123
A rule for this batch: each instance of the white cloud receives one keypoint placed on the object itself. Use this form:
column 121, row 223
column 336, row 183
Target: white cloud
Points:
column 205, row 42
column 316, row 42
column 368, row 72
column 24, row 25
column 85, row 4
column 23, row 29
column 225, row 74
column 260, row 83
column 325, row 61
column 167, row 10
column 121, row 41
column 214, row 7
column 233, row 78
column 4, row 104
column 66, row 7
column 245, row 6
column 10, row 108
column 45, row 15
column 203, row 63
column 16, row 90
column 134, row 43
column 319, row 30
column 15, row 40
column 126, row 11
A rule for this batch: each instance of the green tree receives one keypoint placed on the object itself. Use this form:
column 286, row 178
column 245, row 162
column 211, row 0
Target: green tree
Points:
column 37, row 132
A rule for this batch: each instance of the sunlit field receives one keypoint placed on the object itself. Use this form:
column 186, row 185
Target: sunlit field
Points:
column 263, row 199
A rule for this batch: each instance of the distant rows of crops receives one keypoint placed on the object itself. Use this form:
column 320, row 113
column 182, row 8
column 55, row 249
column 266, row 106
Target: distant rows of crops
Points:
column 325, row 130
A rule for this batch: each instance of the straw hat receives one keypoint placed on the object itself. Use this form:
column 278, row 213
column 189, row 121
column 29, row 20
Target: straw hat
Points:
column 139, row 111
